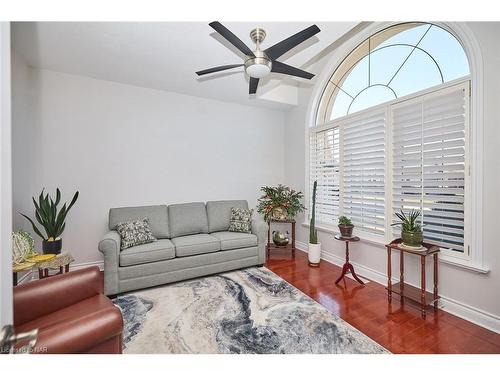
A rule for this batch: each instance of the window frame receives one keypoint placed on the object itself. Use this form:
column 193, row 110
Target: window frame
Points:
column 472, row 49
column 365, row 40
column 467, row 259
column 387, row 237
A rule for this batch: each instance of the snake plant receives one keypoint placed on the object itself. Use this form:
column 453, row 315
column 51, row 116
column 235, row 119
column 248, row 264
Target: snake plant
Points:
column 408, row 221
column 313, row 233
column 49, row 216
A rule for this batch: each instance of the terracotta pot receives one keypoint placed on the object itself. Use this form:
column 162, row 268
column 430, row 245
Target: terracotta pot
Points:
column 52, row 247
column 346, row 230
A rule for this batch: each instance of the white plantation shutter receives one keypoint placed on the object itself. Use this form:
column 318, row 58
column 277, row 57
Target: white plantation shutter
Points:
column 324, row 168
column 363, row 170
column 429, row 163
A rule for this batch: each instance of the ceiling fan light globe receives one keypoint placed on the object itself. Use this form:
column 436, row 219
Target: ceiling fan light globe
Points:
column 258, row 66
column 258, row 70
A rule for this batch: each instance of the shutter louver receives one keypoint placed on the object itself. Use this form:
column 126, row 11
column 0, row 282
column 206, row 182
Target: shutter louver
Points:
column 363, row 151
column 324, row 168
column 428, row 168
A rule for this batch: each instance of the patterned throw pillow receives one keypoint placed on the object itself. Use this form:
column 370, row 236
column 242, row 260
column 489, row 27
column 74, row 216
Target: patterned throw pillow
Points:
column 241, row 220
column 135, row 232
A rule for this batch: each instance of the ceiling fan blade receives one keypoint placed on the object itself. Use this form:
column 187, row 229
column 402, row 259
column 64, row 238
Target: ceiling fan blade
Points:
column 231, row 38
column 286, row 45
column 253, row 85
column 218, row 69
column 279, row 67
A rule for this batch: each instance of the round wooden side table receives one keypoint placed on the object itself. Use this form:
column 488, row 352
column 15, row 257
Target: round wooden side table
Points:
column 348, row 267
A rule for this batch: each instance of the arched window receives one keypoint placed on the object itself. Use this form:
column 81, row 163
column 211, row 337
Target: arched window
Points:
column 395, row 62
column 392, row 132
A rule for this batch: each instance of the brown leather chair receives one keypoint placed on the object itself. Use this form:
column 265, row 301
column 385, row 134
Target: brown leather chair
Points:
column 71, row 312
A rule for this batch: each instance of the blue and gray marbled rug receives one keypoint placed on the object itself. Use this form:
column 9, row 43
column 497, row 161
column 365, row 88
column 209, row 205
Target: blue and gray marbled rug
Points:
column 246, row 311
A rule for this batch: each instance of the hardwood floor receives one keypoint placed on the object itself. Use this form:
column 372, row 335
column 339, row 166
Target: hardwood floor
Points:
column 399, row 327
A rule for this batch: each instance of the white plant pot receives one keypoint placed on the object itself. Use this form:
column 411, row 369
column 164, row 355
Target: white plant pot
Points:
column 314, row 254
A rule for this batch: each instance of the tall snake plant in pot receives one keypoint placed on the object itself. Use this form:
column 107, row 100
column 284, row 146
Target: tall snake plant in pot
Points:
column 314, row 253
column 52, row 219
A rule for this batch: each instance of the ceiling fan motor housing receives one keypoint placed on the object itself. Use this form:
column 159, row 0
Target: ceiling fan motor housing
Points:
column 258, row 66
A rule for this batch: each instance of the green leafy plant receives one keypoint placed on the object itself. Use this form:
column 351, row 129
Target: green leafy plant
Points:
column 408, row 221
column 344, row 220
column 313, row 232
column 49, row 216
column 279, row 197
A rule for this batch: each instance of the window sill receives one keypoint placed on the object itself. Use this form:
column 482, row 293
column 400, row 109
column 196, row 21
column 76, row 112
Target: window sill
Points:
column 446, row 259
column 463, row 263
column 362, row 236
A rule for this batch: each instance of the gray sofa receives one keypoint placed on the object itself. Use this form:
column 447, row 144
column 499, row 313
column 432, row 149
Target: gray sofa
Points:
column 192, row 241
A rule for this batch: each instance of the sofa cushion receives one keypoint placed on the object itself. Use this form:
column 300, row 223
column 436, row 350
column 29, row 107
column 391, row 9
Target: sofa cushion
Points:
column 157, row 218
column 241, row 220
column 195, row 244
column 134, row 233
column 235, row 240
column 219, row 212
column 151, row 252
column 187, row 218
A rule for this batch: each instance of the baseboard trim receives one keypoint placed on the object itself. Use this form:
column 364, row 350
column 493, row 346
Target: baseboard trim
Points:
column 454, row 307
column 33, row 275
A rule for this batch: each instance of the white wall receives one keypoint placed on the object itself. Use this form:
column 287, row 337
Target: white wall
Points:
column 465, row 291
column 122, row 145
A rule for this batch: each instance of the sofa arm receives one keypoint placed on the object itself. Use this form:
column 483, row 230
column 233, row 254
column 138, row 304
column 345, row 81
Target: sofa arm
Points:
column 82, row 334
column 110, row 243
column 110, row 247
column 260, row 228
column 42, row 297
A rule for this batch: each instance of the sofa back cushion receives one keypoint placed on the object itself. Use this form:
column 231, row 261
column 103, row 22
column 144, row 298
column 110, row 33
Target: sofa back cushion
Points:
column 219, row 213
column 157, row 218
column 187, row 218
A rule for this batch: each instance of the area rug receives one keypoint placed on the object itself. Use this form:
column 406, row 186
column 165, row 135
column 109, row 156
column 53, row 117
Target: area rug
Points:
column 245, row 311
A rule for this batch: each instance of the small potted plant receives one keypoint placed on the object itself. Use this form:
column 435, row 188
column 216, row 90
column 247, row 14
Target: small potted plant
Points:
column 314, row 253
column 279, row 203
column 345, row 227
column 51, row 219
column 411, row 231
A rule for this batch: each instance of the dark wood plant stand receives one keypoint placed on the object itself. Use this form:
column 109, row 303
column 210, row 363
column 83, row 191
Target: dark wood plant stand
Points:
column 348, row 267
column 421, row 296
column 270, row 245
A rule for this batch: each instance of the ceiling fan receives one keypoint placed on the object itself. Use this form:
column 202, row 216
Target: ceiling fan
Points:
column 259, row 64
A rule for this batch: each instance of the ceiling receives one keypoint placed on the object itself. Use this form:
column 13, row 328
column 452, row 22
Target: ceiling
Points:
column 165, row 55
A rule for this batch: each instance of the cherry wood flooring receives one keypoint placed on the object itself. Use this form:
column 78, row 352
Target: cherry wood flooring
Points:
column 399, row 327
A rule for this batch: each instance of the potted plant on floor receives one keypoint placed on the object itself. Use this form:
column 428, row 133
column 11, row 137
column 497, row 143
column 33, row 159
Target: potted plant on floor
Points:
column 345, row 227
column 411, row 231
column 314, row 253
column 51, row 219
